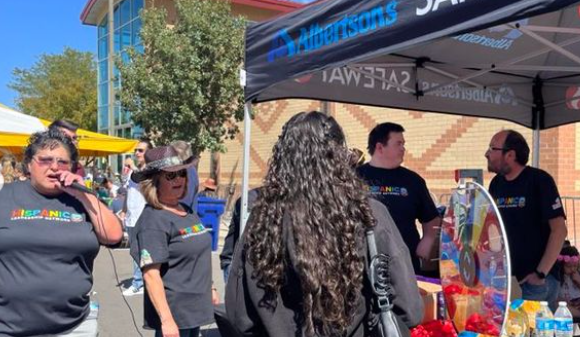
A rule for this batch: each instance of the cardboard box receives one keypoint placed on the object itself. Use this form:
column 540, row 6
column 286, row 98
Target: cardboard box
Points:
column 429, row 292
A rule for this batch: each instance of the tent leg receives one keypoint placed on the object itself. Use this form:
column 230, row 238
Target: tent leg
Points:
column 246, row 166
column 536, row 148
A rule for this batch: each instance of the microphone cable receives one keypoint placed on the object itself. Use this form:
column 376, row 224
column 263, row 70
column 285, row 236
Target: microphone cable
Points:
column 100, row 216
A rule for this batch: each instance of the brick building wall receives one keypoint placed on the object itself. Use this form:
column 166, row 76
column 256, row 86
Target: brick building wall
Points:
column 436, row 145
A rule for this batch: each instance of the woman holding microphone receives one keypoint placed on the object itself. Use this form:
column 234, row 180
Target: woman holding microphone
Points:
column 49, row 233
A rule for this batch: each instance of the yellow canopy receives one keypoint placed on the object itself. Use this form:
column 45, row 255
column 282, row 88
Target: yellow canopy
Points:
column 93, row 144
column 90, row 143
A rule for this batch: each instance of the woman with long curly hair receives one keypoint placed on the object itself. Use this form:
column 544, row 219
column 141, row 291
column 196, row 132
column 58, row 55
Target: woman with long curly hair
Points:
column 300, row 267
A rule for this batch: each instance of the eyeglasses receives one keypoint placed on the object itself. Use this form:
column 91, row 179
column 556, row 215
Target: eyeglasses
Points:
column 169, row 176
column 493, row 148
column 48, row 161
column 139, row 150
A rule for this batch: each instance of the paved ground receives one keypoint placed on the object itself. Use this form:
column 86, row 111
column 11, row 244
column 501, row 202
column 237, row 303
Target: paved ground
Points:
column 123, row 316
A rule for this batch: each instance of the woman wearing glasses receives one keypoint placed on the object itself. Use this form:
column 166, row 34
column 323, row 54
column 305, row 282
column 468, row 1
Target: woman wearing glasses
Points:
column 49, row 230
column 173, row 249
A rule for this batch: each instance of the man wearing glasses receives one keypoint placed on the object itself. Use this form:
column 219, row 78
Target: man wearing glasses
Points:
column 69, row 129
column 134, row 205
column 532, row 212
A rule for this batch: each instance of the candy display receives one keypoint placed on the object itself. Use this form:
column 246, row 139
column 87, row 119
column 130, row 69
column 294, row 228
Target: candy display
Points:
column 518, row 322
column 437, row 328
column 474, row 263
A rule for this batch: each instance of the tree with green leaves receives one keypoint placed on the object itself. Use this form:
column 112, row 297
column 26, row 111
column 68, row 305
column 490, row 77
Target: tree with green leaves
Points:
column 59, row 86
column 185, row 85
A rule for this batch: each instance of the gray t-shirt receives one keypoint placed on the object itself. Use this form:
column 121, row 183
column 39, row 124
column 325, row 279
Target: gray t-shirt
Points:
column 47, row 250
column 182, row 245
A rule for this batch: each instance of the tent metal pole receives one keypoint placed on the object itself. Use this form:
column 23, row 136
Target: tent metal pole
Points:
column 536, row 148
column 537, row 119
column 246, row 166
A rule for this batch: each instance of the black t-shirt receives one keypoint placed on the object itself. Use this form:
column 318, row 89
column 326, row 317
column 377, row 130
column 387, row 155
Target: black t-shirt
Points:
column 47, row 250
column 407, row 198
column 526, row 204
column 233, row 235
column 182, row 245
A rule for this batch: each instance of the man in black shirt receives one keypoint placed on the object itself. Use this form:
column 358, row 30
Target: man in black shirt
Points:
column 233, row 235
column 403, row 191
column 532, row 213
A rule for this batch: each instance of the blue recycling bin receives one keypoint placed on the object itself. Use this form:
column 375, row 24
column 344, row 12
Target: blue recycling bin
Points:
column 209, row 211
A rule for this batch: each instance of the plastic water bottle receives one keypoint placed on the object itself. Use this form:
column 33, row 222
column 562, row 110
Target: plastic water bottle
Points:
column 544, row 321
column 94, row 306
column 563, row 322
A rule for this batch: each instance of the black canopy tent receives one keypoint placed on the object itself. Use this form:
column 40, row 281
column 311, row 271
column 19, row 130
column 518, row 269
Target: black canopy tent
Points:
column 512, row 60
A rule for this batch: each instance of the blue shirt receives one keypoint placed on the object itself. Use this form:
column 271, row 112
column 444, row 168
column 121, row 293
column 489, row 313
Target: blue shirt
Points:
column 190, row 198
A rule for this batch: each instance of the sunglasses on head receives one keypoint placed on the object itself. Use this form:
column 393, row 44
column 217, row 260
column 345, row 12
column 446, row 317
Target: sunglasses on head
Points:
column 49, row 160
column 172, row 175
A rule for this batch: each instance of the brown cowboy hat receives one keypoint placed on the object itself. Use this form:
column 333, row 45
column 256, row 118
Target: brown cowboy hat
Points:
column 209, row 183
column 162, row 158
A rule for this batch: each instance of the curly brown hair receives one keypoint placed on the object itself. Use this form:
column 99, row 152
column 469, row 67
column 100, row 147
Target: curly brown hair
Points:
column 310, row 181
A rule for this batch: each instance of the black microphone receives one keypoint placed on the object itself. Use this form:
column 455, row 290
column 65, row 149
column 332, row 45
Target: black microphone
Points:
column 81, row 187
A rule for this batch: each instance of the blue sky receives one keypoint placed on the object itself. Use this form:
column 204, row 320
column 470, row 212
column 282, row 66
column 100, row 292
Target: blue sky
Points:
column 33, row 27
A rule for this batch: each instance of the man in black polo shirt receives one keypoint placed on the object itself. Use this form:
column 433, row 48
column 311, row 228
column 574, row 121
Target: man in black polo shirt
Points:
column 532, row 213
column 403, row 191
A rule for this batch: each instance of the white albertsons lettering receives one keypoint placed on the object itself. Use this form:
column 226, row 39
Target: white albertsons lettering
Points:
column 433, row 5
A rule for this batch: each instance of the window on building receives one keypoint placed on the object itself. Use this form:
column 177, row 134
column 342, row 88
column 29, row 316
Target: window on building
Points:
column 125, row 9
column 103, row 27
column 127, row 25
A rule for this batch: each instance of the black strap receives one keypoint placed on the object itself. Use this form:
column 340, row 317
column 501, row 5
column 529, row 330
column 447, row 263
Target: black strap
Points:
column 382, row 288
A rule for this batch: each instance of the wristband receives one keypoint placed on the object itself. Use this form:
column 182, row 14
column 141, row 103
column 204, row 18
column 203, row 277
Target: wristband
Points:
column 540, row 274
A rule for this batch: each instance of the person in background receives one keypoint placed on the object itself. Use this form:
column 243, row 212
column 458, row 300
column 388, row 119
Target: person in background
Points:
column 118, row 202
column 532, row 212
column 300, row 266
column 50, row 237
column 128, row 168
column 102, row 192
column 185, row 153
column 568, row 262
column 110, row 188
column 20, row 172
column 8, row 169
column 209, row 188
column 402, row 191
column 134, row 205
column 173, row 249
column 69, row 129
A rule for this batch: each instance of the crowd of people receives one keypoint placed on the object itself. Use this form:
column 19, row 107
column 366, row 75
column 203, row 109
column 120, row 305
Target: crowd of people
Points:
column 301, row 266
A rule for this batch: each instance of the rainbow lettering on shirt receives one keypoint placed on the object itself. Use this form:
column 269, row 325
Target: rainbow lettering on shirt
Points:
column 45, row 214
column 511, row 202
column 193, row 230
column 388, row 190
